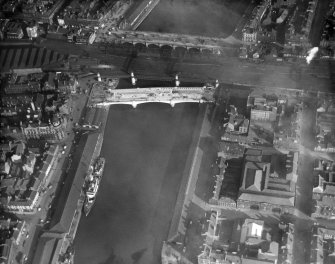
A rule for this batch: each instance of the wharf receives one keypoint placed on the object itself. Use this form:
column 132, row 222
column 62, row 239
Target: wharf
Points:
column 67, row 210
column 97, row 141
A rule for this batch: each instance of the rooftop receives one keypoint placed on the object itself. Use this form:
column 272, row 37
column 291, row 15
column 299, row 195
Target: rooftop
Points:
column 266, row 178
column 67, row 204
column 47, row 248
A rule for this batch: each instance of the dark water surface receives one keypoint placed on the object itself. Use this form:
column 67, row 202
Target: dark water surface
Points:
column 213, row 18
column 146, row 149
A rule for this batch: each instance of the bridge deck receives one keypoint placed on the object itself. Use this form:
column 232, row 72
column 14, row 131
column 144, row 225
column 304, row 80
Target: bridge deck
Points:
column 102, row 94
column 140, row 12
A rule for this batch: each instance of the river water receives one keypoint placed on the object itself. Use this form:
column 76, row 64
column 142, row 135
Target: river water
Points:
column 146, row 149
column 213, row 18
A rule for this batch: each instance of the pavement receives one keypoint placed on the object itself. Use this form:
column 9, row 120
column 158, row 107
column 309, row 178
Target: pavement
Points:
column 39, row 218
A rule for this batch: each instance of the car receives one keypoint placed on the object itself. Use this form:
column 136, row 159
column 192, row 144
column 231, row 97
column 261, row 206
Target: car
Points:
column 39, row 208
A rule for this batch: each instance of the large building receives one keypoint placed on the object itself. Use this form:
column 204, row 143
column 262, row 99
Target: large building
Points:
column 325, row 128
column 54, row 131
column 249, row 35
column 268, row 181
column 40, row 10
column 297, row 36
column 287, row 132
column 251, row 29
column 21, row 184
column 324, row 189
column 263, row 109
column 23, row 84
column 84, row 12
column 244, row 241
column 237, row 123
column 322, row 245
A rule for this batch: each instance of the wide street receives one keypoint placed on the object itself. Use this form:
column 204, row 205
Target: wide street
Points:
column 41, row 216
column 205, row 67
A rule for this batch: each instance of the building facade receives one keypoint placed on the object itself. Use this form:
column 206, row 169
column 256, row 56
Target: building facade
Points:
column 54, row 131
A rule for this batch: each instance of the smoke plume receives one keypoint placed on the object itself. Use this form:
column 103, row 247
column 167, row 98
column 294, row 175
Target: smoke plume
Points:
column 311, row 54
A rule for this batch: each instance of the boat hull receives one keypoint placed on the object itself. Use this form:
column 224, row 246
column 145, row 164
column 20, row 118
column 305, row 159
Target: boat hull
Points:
column 93, row 185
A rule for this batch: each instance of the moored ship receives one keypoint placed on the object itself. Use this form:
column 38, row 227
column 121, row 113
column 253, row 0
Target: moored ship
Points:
column 99, row 167
column 92, row 185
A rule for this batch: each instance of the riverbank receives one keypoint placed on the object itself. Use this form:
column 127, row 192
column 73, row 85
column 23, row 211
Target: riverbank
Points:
column 189, row 179
column 146, row 150
column 62, row 219
column 91, row 139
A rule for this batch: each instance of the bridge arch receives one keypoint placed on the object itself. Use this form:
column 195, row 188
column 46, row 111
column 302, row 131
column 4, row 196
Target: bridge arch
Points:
column 140, row 46
column 179, row 51
column 135, row 104
column 128, row 45
column 153, row 46
column 207, row 51
column 194, row 50
column 166, row 49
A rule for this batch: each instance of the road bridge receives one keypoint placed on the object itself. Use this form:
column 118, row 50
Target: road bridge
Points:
column 136, row 15
column 169, row 95
column 155, row 39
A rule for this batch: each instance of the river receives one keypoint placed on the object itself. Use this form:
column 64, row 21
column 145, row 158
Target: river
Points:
column 146, row 149
column 212, row 18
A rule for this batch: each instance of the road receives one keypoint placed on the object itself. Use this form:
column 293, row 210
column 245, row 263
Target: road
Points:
column 200, row 67
column 40, row 218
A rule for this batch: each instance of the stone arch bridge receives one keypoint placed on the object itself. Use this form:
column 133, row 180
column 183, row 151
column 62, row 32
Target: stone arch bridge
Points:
column 147, row 39
column 168, row 95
